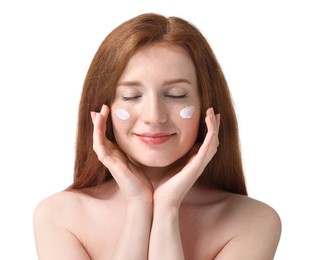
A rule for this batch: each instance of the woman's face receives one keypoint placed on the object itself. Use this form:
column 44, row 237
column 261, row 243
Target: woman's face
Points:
column 156, row 108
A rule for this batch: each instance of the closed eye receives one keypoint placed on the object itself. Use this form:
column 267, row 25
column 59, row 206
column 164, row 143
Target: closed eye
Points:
column 176, row 96
column 131, row 98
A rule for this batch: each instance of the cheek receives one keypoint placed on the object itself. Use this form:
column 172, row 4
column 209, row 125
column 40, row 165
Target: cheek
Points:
column 187, row 112
column 188, row 120
column 121, row 120
column 121, row 114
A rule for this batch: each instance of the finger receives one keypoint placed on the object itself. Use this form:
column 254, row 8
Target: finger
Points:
column 210, row 121
column 218, row 117
column 98, row 137
column 101, row 118
column 100, row 142
column 210, row 141
column 93, row 115
column 105, row 110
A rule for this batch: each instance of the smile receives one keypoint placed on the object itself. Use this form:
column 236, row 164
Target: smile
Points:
column 155, row 138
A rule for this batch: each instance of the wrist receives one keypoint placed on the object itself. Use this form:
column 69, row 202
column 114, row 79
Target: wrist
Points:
column 143, row 207
column 144, row 201
column 165, row 208
column 166, row 203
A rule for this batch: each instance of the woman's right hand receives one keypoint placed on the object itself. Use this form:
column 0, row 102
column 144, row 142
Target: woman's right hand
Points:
column 134, row 185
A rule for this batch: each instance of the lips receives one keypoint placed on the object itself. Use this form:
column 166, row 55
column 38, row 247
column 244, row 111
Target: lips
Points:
column 155, row 138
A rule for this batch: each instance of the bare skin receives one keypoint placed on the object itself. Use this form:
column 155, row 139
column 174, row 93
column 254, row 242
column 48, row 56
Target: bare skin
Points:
column 155, row 209
column 213, row 225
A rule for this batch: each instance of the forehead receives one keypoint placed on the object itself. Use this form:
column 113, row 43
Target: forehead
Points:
column 159, row 60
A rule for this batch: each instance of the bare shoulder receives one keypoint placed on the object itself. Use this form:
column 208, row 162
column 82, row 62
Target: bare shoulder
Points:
column 55, row 207
column 248, row 208
column 238, row 210
column 255, row 227
column 68, row 204
column 54, row 226
column 70, row 224
column 60, row 212
column 259, row 215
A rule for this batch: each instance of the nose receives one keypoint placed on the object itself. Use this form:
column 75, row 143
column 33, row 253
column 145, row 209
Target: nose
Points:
column 154, row 111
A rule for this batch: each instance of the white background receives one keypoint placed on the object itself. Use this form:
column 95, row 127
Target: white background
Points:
column 264, row 47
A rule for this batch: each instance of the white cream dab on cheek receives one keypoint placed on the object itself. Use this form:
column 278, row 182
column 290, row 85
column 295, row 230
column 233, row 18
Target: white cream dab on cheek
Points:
column 122, row 114
column 187, row 112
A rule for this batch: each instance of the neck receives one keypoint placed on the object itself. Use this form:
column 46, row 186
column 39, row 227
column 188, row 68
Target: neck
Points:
column 158, row 175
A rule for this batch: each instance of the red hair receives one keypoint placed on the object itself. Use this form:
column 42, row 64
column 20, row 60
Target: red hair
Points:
column 225, row 170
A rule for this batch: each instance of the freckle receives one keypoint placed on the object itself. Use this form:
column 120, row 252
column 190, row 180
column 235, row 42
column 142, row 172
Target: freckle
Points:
column 122, row 114
column 187, row 112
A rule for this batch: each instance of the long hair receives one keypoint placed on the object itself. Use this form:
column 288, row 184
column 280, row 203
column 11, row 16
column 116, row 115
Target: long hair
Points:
column 225, row 169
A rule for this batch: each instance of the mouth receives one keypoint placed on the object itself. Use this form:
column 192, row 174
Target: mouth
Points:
column 155, row 138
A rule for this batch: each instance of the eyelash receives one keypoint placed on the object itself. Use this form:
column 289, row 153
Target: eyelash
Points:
column 168, row 96
column 130, row 98
column 176, row 97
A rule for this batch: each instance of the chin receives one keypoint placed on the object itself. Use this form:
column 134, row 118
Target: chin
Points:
column 154, row 164
column 159, row 163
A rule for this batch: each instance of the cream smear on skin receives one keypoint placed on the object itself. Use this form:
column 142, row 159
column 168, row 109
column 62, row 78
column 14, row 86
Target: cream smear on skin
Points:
column 122, row 114
column 187, row 112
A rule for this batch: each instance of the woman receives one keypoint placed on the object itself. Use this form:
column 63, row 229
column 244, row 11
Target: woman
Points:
column 158, row 171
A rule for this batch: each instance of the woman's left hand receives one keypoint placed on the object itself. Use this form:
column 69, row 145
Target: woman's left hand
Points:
column 174, row 187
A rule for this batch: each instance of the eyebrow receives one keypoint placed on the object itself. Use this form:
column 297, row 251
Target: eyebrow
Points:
column 175, row 81
column 165, row 83
column 129, row 83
